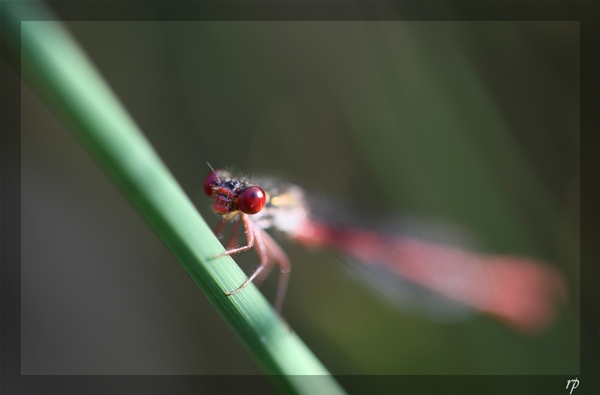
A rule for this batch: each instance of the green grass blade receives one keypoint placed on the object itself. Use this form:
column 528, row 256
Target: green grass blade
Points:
column 54, row 64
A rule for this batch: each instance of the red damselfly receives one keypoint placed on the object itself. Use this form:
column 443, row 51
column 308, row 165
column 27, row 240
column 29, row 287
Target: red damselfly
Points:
column 519, row 291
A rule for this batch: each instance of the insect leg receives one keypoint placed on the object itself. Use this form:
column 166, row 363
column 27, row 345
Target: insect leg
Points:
column 285, row 269
column 250, row 238
column 255, row 236
column 235, row 231
column 220, row 226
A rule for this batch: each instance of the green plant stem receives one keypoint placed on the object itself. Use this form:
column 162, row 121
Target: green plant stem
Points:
column 55, row 65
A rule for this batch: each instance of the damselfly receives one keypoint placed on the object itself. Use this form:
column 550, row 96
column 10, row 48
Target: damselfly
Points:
column 517, row 290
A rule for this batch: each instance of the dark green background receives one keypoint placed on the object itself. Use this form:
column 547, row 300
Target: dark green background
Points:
column 475, row 123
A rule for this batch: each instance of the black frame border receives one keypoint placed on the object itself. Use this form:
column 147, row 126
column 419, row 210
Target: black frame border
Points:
column 587, row 13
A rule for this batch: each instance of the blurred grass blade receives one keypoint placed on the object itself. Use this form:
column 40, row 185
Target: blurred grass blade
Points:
column 54, row 64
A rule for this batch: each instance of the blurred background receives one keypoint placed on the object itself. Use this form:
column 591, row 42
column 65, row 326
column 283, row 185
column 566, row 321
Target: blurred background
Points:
column 472, row 123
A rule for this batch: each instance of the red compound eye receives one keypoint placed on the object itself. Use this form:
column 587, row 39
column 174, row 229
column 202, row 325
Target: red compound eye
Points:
column 210, row 182
column 251, row 200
